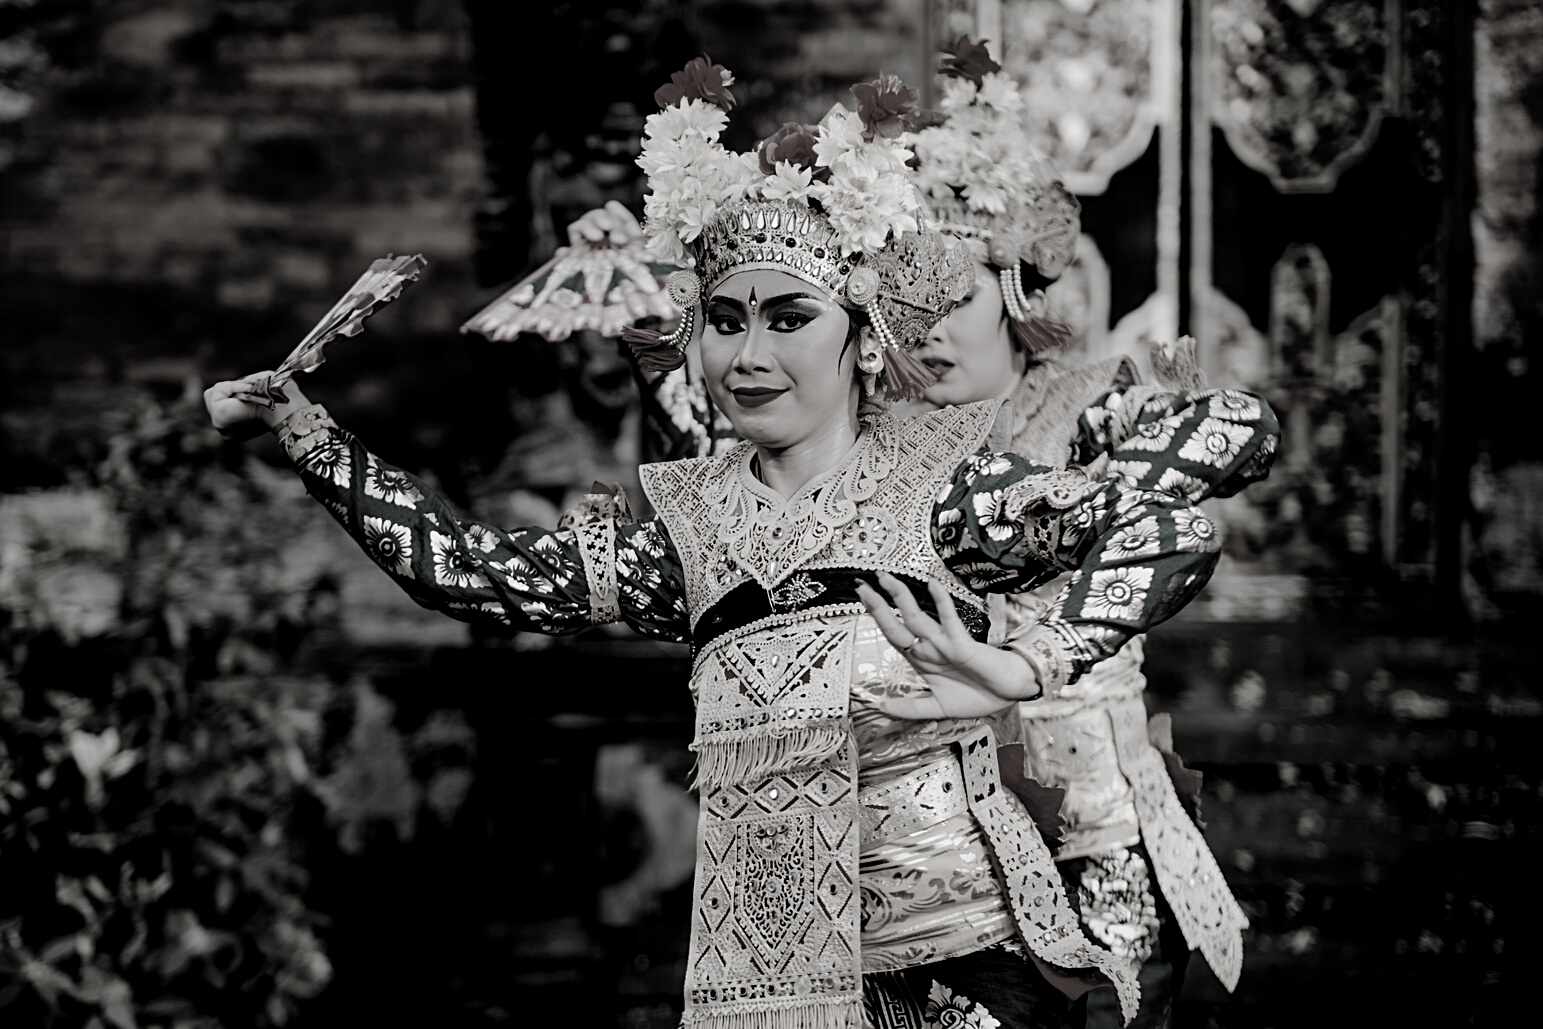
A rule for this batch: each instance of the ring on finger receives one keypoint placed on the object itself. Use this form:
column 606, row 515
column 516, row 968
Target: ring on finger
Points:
column 911, row 646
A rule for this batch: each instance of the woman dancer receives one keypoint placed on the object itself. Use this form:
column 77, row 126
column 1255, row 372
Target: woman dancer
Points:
column 1149, row 888
column 819, row 808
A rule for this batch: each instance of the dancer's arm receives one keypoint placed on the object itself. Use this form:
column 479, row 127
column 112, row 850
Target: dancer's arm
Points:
column 1144, row 552
column 1139, row 555
column 1187, row 443
column 532, row 579
column 677, row 412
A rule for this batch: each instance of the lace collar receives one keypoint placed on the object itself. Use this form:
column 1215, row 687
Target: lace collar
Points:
column 767, row 536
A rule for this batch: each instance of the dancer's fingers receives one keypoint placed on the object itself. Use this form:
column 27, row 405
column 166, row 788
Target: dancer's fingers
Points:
column 947, row 700
column 624, row 226
column 948, row 615
column 915, row 619
column 587, row 228
column 927, row 708
column 899, row 637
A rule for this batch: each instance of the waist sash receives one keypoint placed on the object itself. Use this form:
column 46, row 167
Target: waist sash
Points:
column 814, row 592
column 1187, row 872
column 775, row 934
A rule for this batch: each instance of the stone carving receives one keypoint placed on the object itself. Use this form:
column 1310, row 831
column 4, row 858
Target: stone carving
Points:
column 1299, row 87
column 1424, row 338
column 1093, row 74
column 1333, row 499
column 1299, row 314
column 1426, row 48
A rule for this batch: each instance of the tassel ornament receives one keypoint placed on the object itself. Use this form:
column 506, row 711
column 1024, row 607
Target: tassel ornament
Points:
column 1038, row 332
column 905, row 378
column 656, row 352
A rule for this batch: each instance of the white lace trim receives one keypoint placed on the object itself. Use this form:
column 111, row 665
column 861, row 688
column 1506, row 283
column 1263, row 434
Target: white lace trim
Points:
column 874, row 511
column 1191, row 880
column 594, row 520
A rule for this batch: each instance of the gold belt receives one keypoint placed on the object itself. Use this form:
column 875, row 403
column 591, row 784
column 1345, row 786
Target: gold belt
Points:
column 911, row 803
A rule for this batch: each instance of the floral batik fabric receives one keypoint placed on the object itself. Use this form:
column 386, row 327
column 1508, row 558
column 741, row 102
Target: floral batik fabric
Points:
column 530, row 579
column 761, row 587
column 987, row 989
column 1092, row 742
column 1140, row 552
column 679, row 417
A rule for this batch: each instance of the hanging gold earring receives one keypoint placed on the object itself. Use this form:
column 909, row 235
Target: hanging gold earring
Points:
column 870, row 359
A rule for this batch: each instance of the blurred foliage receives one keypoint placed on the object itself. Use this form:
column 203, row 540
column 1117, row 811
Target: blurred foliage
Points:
column 168, row 756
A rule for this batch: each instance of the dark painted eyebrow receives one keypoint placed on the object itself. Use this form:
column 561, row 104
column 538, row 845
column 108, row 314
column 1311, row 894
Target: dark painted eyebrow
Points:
column 777, row 301
column 767, row 306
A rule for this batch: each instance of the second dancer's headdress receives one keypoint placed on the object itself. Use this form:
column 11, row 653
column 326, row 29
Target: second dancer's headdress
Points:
column 831, row 203
column 992, row 188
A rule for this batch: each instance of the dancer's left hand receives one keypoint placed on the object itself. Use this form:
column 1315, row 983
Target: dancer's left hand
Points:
column 968, row 679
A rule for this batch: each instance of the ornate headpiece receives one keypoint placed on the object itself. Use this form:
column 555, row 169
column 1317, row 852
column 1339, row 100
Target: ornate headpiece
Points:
column 992, row 189
column 831, row 203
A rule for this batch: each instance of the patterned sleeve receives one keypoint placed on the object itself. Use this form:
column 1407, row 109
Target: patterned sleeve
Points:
column 1195, row 444
column 531, row 579
column 1137, row 555
column 679, row 416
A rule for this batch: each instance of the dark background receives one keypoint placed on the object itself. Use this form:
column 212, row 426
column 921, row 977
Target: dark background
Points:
column 322, row 806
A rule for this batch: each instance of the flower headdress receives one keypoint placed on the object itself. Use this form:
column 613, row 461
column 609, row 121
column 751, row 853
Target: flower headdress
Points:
column 992, row 188
column 832, row 203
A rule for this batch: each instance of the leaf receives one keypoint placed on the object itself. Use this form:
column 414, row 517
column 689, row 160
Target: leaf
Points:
column 373, row 781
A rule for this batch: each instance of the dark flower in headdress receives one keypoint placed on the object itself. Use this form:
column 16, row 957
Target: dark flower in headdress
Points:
column 883, row 105
column 967, row 60
column 700, row 79
column 793, row 143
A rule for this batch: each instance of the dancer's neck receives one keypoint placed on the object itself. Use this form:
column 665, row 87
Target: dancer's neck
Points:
column 788, row 469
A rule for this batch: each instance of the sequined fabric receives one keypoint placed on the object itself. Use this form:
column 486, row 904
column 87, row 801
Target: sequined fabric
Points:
column 1092, row 741
column 903, row 500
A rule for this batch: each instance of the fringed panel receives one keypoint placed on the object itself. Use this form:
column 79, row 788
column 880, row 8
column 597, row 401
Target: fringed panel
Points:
column 798, row 1013
column 727, row 759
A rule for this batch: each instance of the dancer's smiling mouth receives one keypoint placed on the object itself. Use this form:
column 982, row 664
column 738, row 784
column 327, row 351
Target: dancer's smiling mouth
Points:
column 756, row 396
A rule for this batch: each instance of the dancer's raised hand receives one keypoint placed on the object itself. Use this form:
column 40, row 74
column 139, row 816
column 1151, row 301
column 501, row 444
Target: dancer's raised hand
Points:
column 242, row 419
column 611, row 225
column 968, row 679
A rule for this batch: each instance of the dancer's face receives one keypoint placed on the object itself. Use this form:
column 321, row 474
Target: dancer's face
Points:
column 774, row 358
column 970, row 349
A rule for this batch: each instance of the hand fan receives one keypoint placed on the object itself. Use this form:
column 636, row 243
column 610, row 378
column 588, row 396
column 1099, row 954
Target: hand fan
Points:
column 385, row 279
column 602, row 288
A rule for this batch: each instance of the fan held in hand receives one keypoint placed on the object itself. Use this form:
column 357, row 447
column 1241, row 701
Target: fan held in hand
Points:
column 592, row 286
column 385, row 279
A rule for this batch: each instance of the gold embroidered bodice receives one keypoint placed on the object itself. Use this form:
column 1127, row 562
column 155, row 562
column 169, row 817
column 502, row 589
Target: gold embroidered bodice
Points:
column 872, row 512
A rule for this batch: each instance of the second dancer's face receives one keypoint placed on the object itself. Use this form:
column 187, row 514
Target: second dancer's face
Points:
column 774, row 358
column 971, row 350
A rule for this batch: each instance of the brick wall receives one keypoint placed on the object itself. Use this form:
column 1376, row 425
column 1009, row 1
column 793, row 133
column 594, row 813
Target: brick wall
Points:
column 197, row 182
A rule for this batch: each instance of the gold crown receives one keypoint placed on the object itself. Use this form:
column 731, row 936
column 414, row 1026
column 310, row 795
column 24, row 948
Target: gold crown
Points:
column 777, row 234
column 906, row 288
column 1041, row 228
column 920, row 277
